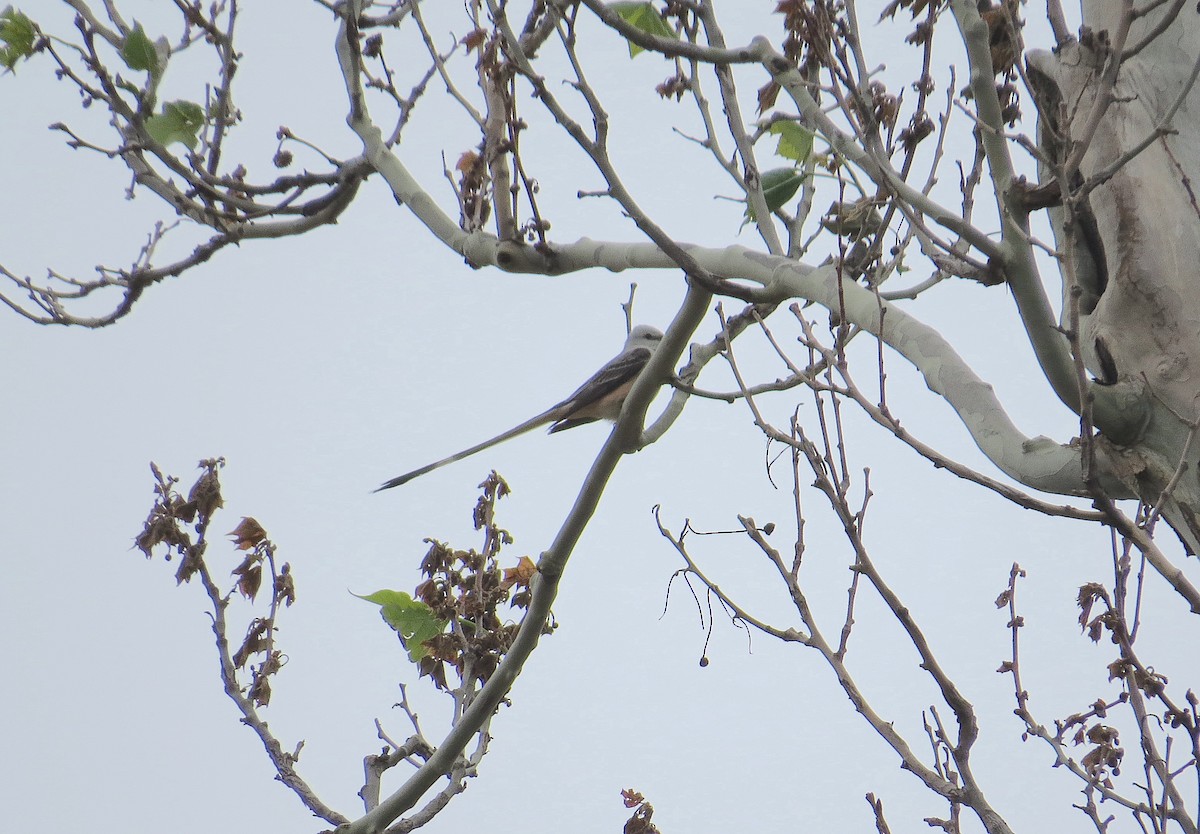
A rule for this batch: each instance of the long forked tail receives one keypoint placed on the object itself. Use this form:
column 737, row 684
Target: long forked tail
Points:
column 530, row 424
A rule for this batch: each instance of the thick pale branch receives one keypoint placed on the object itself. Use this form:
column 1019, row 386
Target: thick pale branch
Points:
column 1051, row 347
column 1038, row 462
column 885, row 419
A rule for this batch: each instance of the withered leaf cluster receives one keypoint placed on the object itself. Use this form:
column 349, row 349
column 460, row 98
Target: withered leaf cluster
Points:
column 640, row 822
column 181, row 525
column 471, row 592
column 1088, row 596
column 172, row 514
column 1105, row 757
column 812, row 26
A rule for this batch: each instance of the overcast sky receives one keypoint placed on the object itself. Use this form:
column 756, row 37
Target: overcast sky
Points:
column 320, row 366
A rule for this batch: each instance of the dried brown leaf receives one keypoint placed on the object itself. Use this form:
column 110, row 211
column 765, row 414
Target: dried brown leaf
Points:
column 248, row 534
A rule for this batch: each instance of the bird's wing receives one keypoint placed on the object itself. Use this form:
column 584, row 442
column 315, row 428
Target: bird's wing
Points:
column 601, row 397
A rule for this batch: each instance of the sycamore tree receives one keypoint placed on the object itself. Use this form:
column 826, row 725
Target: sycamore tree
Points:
column 867, row 158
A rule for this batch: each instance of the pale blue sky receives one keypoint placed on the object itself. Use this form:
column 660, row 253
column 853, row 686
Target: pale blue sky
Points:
column 322, row 365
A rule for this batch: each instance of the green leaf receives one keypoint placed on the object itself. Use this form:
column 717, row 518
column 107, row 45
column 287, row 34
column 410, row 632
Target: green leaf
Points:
column 778, row 185
column 645, row 17
column 17, row 34
column 413, row 620
column 138, row 51
column 179, row 121
column 795, row 142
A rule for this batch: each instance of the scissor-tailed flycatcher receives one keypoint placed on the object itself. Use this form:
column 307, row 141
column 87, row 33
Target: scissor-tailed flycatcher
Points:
column 600, row 398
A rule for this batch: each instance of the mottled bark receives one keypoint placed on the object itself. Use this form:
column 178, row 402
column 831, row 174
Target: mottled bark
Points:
column 1120, row 113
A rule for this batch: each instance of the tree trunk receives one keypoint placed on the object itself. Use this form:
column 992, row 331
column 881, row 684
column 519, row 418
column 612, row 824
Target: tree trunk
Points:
column 1130, row 237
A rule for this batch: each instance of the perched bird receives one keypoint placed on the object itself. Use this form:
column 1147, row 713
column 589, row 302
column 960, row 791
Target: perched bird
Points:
column 600, row 398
